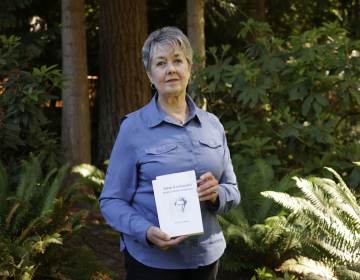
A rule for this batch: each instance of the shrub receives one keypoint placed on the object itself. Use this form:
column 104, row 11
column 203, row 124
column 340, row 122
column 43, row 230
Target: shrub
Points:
column 293, row 103
column 24, row 93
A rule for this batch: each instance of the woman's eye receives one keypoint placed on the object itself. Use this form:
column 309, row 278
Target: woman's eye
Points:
column 178, row 60
column 160, row 63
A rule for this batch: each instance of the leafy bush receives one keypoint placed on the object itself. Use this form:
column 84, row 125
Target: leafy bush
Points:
column 289, row 106
column 36, row 219
column 293, row 103
column 24, row 93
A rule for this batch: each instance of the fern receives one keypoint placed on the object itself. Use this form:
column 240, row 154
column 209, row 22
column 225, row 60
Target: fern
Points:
column 308, row 267
column 53, row 190
column 38, row 217
column 256, row 238
column 29, row 179
column 326, row 222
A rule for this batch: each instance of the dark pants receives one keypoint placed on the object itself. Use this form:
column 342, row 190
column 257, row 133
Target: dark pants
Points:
column 138, row 271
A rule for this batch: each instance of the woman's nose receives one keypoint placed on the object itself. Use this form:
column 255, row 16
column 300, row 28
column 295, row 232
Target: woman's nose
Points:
column 170, row 68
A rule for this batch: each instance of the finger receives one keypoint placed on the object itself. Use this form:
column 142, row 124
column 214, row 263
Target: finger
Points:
column 164, row 245
column 212, row 190
column 207, row 185
column 212, row 197
column 206, row 176
column 179, row 239
column 158, row 233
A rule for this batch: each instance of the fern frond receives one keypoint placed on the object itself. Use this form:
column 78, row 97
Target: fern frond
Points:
column 235, row 226
column 309, row 268
column 31, row 226
column 345, row 190
column 304, row 209
column 236, row 216
column 345, row 200
column 346, row 273
column 54, row 189
column 337, row 251
column 38, row 244
column 285, row 200
column 29, row 178
column 94, row 174
column 310, row 192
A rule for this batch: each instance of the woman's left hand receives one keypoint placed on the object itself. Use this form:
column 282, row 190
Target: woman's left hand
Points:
column 208, row 187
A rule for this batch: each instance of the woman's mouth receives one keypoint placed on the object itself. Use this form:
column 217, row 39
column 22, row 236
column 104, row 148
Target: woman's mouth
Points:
column 172, row 80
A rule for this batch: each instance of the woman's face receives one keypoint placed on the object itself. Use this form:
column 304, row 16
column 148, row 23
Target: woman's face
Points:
column 169, row 71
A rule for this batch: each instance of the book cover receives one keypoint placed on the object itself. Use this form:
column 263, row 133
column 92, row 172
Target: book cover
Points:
column 177, row 204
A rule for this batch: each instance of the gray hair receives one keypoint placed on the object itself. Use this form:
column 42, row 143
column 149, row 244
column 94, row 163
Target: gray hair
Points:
column 170, row 36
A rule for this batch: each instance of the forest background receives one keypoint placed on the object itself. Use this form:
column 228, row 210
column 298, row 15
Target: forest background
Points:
column 283, row 77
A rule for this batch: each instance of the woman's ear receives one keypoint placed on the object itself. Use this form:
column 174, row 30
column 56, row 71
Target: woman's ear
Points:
column 190, row 66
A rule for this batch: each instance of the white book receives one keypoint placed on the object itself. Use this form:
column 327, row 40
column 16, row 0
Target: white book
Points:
column 177, row 204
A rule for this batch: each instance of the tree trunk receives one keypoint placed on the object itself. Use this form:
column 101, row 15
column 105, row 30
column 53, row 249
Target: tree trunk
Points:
column 258, row 10
column 195, row 28
column 124, row 86
column 75, row 136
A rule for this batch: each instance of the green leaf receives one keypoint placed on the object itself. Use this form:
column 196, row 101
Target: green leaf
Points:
column 307, row 105
column 321, row 100
column 289, row 131
column 298, row 92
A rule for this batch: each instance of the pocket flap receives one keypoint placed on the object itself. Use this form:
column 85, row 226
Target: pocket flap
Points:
column 212, row 143
column 155, row 150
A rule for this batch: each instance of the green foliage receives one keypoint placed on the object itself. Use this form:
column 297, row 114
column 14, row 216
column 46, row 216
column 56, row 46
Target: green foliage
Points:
column 250, row 246
column 91, row 176
column 267, row 274
column 289, row 107
column 36, row 218
column 294, row 104
column 326, row 221
column 24, row 93
column 293, row 17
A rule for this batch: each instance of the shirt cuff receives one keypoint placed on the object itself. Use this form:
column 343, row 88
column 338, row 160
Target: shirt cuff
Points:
column 141, row 232
column 219, row 204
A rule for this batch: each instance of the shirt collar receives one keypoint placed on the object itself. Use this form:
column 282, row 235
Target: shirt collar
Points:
column 154, row 115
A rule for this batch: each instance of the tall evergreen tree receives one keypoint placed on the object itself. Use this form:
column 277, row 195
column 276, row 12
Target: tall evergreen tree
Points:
column 123, row 82
column 75, row 110
column 258, row 9
column 196, row 27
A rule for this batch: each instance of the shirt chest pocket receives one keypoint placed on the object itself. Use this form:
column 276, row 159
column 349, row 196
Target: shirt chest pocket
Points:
column 161, row 153
column 210, row 156
column 159, row 160
column 210, row 143
column 161, row 149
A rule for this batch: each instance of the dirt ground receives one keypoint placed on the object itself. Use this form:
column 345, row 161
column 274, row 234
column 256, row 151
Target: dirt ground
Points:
column 105, row 243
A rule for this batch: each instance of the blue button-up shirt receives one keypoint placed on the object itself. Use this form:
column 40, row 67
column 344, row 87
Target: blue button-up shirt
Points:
column 151, row 143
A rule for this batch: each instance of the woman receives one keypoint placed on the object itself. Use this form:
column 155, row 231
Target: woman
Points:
column 168, row 135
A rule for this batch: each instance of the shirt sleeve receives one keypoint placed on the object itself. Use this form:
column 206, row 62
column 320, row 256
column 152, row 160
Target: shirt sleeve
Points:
column 229, row 195
column 120, row 187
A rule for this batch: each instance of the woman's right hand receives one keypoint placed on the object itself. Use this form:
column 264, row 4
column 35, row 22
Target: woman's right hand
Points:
column 160, row 239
